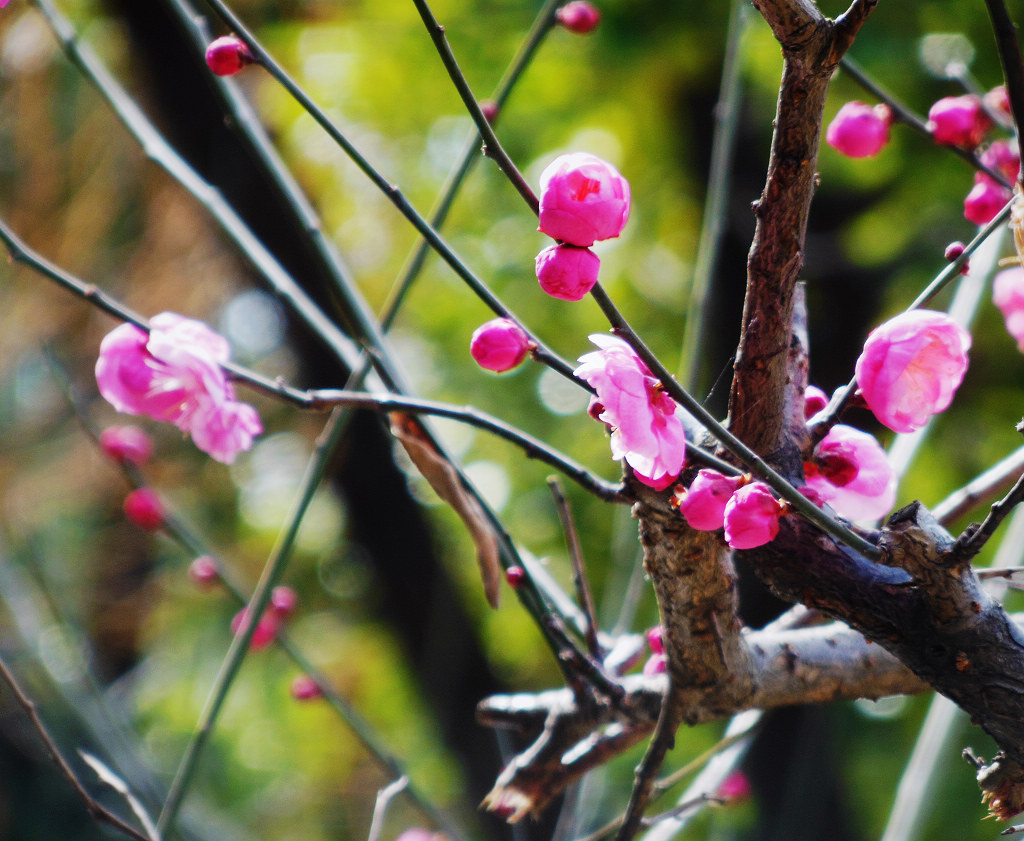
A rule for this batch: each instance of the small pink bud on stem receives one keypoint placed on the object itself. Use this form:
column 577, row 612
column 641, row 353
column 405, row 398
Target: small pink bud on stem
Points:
column 144, row 508
column 500, row 345
column 579, row 16
column 227, row 55
column 126, row 444
column 204, row 572
column 304, row 688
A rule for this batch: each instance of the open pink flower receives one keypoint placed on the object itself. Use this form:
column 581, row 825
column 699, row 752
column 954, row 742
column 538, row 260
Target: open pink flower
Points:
column 645, row 430
column 859, row 130
column 850, row 472
column 752, row 517
column 1008, row 295
column 173, row 374
column 911, row 366
column 703, row 504
column 582, row 199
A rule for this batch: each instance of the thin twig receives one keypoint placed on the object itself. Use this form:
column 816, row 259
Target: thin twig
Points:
column 972, row 540
column 579, row 574
column 492, row 146
column 998, row 479
column 96, row 811
column 380, row 807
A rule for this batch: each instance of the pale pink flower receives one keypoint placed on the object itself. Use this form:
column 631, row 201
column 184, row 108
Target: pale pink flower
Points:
column 958, row 121
column 985, row 200
column 126, row 444
column 174, row 374
column 567, row 271
column 911, row 366
column 656, row 664
column 859, row 130
column 703, row 504
column 582, row 199
column 1008, row 295
column 499, row 345
column 752, row 517
column 850, row 472
column 645, row 429
column 223, row 430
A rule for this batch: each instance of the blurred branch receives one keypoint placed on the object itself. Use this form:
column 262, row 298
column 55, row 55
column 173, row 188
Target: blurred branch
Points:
column 1008, row 45
column 99, row 813
column 998, row 479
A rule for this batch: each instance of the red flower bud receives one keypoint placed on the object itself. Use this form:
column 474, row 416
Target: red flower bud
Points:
column 579, row 16
column 144, row 508
column 227, row 55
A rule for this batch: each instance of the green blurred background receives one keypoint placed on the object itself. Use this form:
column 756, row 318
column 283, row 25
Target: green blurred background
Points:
column 100, row 619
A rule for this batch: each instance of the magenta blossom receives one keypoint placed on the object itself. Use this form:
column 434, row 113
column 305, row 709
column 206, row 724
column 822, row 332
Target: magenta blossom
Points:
column 578, row 16
column 814, row 401
column 1008, row 295
column 567, row 271
column 499, row 345
column 173, row 374
column 752, row 517
column 227, row 55
column 985, row 200
column 850, row 472
column 859, row 130
column 1003, row 157
column 703, row 504
column 645, row 429
column 911, row 366
column 582, row 199
column 958, row 121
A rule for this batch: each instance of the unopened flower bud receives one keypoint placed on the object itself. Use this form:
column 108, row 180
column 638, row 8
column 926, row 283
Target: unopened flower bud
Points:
column 579, row 16
column 283, row 601
column 566, row 271
column 266, row 628
column 752, row 517
column 859, row 130
column 500, row 345
column 227, row 55
column 985, row 200
column 814, row 401
column 144, row 508
column 998, row 100
column 204, row 572
column 304, row 688
column 490, row 109
column 958, row 121
column 654, row 640
column 953, row 252
column 514, row 575
column 126, row 444
column 1002, row 157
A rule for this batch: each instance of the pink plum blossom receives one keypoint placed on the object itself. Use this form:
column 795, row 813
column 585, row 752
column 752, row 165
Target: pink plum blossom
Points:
column 656, row 664
column 859, row 130
column 850, row 472
column 985, row 200
column 752, row 516
column 958, row 121
column 567, row 271
column 499, row 345
column 911, row 366
column 173, row 374
column 655, row 639
column 645, row 429
column 703, row 504
column 582, row 199
column 1008, row 295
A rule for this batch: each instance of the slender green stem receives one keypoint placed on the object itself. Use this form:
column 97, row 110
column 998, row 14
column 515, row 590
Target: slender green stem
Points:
column 391, row 191
column 276, row 563
column 727, row 117
column 751, row 460
column 492, row 146
column 542, row 25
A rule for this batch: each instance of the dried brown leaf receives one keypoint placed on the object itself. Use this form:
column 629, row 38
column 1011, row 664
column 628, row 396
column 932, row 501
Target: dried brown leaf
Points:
column 442, row 476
